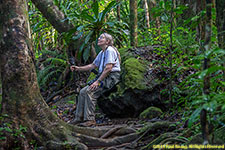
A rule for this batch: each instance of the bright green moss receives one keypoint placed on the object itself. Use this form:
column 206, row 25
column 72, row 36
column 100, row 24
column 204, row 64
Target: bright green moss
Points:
column 134, row 74
column 150, row 113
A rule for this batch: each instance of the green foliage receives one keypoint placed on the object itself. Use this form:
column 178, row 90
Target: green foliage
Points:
column 52, row 68
column 214, row 102
column 8, row 129
column 44, row 36
column 134, row 73
column 95, row 21
column 187, row 60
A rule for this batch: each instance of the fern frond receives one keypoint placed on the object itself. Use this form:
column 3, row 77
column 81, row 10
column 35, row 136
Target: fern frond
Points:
column 44, row 72
column 49, row 77
column 57, row 61
column 51, row 52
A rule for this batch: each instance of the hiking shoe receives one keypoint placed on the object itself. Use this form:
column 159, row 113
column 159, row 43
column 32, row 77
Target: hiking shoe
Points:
column 74, row 122
column 88, row 123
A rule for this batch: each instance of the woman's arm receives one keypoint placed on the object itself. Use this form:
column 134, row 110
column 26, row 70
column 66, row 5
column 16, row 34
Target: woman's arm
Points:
column 83, row 68
column 105, row 73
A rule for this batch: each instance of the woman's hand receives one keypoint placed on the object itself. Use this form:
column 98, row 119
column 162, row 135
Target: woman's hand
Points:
column 94, row 86
column 74, row 68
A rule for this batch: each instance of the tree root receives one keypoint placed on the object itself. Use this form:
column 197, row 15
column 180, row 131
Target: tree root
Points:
column 110, row 132
column 173, row 140
column 122, row 146
column 160, row 138
column 52, row 145
column 98, row 142
column 103, row 132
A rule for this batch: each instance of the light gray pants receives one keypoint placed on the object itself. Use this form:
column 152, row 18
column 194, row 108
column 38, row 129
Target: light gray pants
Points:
column 87, row 99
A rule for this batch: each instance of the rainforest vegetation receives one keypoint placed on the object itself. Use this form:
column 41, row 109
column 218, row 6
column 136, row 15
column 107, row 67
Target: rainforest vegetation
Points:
column 172, row 88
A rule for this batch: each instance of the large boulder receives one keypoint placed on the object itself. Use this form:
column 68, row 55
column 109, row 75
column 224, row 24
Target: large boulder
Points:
column 139, row 89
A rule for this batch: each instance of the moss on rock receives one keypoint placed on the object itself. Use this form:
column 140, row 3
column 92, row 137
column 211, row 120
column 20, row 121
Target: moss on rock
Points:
column 150, row 113
column 134, row 74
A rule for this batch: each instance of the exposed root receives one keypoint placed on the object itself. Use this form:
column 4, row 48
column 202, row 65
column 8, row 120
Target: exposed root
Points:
column 103, row 132
column 159, row 139
column 174, row 140
column 98, row 142
column 52, row 145
column 110, row 132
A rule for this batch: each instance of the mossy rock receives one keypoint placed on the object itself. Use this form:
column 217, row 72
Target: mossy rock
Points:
column 134, row 74
column 150, row 113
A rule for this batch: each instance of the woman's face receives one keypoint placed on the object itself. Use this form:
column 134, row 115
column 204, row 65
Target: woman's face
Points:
column 102, row 40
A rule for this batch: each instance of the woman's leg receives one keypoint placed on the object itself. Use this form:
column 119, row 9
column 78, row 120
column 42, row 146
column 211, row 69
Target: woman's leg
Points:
column 79, row 114
column 90, row 103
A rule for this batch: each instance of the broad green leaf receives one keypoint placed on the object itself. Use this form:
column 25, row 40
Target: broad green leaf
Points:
column 111, row 24
column 211, row 106
column 80, row 28
column 111, row 5
column 194, row 116
column 222, row 82
column 71, row 102
column 223, row 107
column 195, row 18
column 82, row 47
column 95, row 9
column 88, row 37
column 86, row 53
column 2, row 138
column 210, row 70
column 84, row 15
column 215, row 51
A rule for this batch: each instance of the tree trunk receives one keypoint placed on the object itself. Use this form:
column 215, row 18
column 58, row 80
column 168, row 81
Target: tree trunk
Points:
column 206, row 65
column 133, row 23
column 152, row 4
column 174, row 14
column 22, row 101
column 220, row 23
column 149, row 10
column 53, row 15
column 171, row 52
column 201, row 27
column 118, row 11
column 146, row 14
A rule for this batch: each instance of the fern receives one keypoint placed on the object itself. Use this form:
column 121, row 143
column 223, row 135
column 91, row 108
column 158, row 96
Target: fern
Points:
column 55, row 65
column 44, row 72
column 57, row 61
column 50, row 76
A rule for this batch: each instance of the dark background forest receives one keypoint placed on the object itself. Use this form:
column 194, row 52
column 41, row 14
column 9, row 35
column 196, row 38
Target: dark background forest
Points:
column 172, row 88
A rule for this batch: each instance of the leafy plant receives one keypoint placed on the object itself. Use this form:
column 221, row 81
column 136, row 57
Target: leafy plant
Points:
column 52, row 68
column 94, row 22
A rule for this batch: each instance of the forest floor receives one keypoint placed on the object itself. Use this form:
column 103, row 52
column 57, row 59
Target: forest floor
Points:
column 65, row 111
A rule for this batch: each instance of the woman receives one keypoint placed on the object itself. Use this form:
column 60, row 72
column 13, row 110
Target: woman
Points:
column 108, row 64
